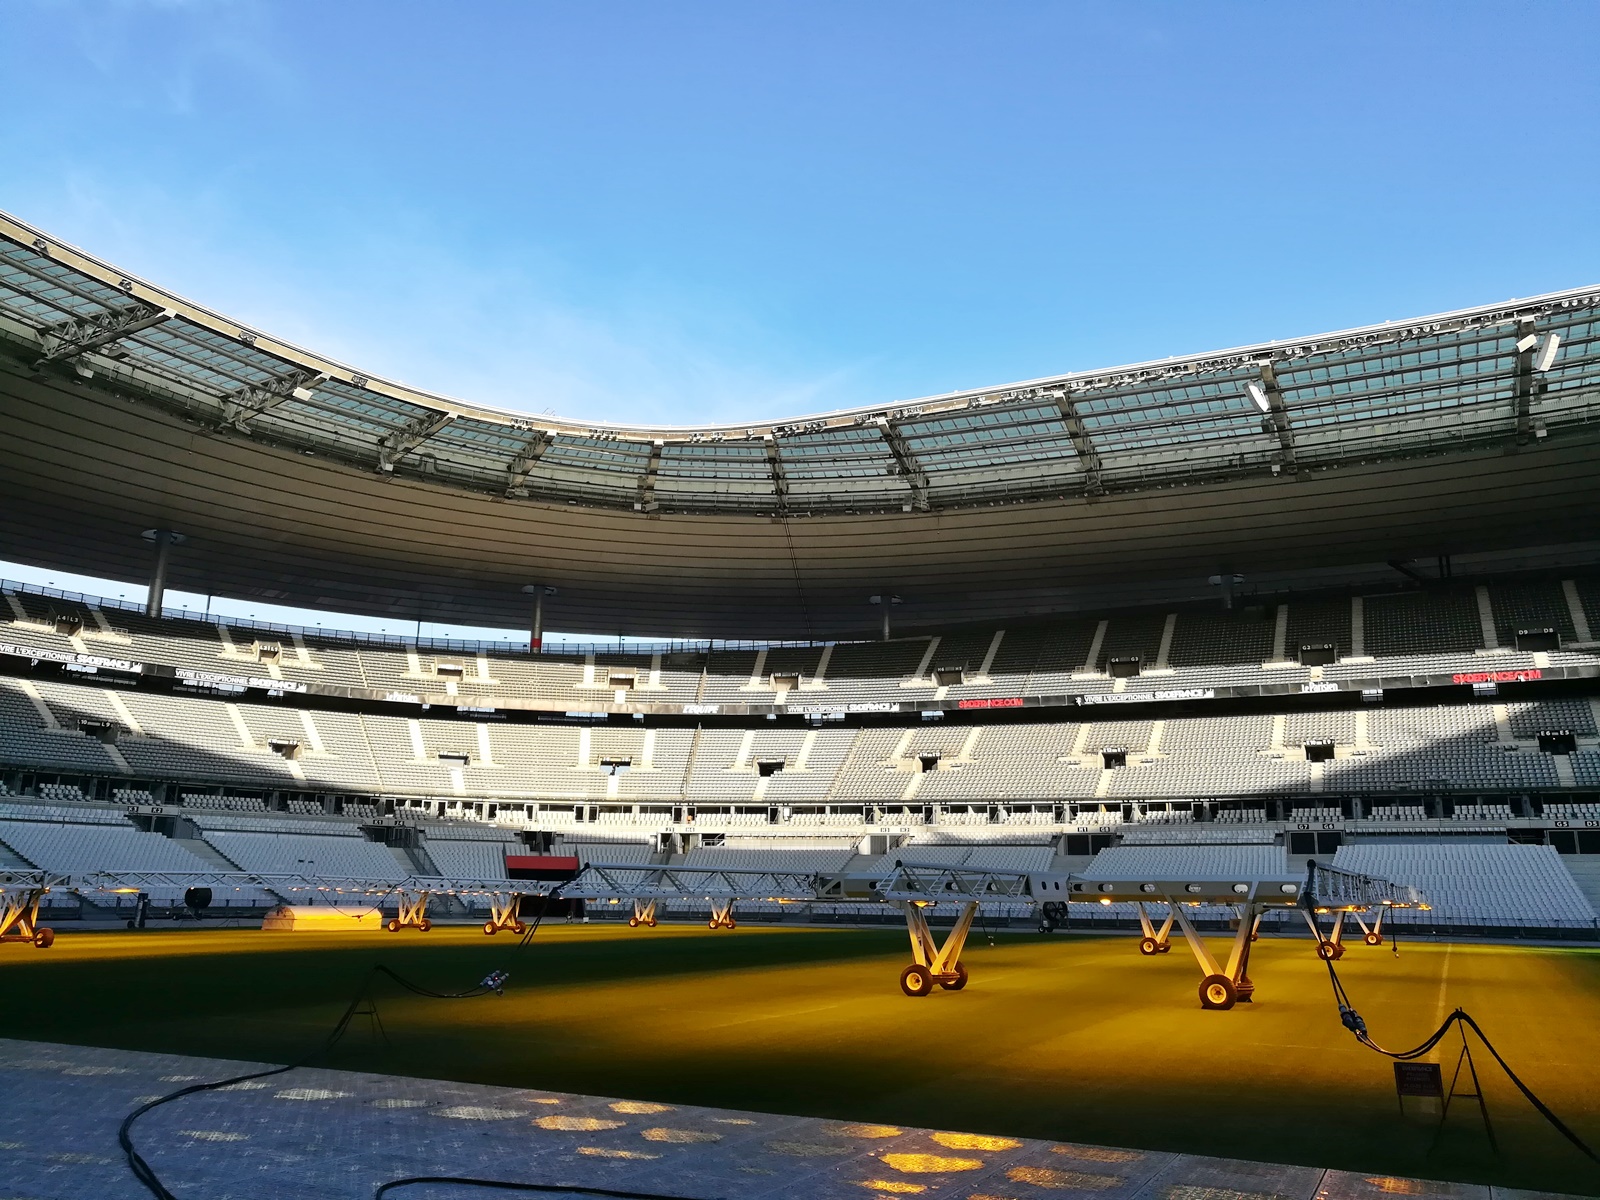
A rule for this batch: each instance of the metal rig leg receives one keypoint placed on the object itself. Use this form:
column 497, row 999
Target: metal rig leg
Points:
column 19, row 918
column 931, row 962
column 1222, row 988
column 1154, row 941
column 722, row 914
column 1371, row 934
column 1331, row 947
column 413, row 913
column 503, row 914
column 644, row 913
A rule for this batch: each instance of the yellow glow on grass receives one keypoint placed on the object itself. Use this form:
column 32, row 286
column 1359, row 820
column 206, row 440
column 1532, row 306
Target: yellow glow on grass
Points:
column 1097, row 1153
column 577, row 1124
column 930, row 1164
column 897, row 1186
column 639, row 1107
column 607, row 1152
column 866, row 1131
column 681, row 1136
column 1046, row 1177
column 974, row 1141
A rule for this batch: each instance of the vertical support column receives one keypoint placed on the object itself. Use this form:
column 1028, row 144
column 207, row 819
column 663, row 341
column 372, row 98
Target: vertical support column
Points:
column 536, row 629
column 888, row 600
column 164, row 540
column 1358, row 628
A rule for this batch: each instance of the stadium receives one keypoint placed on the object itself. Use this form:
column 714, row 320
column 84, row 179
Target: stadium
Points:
column 1173, row 711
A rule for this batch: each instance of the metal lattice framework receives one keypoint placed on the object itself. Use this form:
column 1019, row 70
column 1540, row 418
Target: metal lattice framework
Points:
column 1508, row 373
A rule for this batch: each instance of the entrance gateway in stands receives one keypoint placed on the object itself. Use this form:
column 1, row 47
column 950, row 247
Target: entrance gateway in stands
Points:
column 911, row 888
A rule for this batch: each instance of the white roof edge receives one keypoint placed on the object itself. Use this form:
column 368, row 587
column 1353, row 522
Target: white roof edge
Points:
column 20, row 230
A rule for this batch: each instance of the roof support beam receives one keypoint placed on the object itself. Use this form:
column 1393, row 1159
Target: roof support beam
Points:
column 395, row 446
column 646, row 501
column 1277, row 415
column 239, row 407
column 1524, row 386
column 521, row 466
column 68, row 339
column 1088, row 456
column 907, row 466
column 780, row 480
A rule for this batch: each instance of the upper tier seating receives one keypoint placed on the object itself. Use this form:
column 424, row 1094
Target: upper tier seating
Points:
column 1442, row 628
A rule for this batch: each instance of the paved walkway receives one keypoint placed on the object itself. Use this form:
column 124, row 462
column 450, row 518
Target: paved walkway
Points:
column 336, row 1135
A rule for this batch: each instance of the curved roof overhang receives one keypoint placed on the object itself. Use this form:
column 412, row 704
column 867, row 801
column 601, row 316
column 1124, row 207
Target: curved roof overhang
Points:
column 299, row 480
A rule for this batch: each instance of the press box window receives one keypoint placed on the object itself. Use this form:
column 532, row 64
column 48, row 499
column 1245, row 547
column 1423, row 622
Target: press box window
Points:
column 1113, row 756
column 785, row 681
column 616, row 766
column 1319, row 655
column 1538, row 639
column 455, row 758
column 1557, row 741
column 768, row 767
column 284, row 747
column 1319, row 751
column 269, row 652
column 949, row 676
column 69, row 626
column 928, row 762
column 1123, row 668
column 449, row 670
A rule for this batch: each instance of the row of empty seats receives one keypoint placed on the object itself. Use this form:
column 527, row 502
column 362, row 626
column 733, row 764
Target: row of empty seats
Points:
column 1164, row 649
column 61, row 727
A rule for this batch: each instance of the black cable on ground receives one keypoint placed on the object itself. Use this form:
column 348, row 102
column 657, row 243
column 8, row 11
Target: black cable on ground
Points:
column 1353, row 1021
column 566, row 1189
column 494, row 982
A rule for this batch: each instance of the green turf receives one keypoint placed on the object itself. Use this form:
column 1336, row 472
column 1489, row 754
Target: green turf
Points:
column 1066, row 1037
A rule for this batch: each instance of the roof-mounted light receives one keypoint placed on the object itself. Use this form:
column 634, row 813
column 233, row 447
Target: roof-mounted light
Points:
column 1258, row 396
column 1547, row 353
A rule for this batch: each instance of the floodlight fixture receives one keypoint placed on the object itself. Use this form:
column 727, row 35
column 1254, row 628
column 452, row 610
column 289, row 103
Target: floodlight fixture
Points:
column 1546, row 357
column 1527, row 343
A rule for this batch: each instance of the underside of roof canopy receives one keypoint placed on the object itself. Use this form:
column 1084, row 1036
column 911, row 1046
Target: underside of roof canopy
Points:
column 300, row 480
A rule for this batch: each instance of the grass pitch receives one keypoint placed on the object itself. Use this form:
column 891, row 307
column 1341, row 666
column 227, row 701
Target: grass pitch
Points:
column 1074, row 1038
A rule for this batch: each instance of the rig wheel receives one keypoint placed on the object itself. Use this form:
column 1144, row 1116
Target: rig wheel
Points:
column 713, row 924
column 393, row 925
column 633, row 922
column 959, row 982
column 916, row 981
column 730, row 923
column 488, row 928
column 1374, row 939
column 1164, row 947
column 1217, row 992
column 651, row 922
column 519, row 927
column 1149, row 946
column 425, row 925
column 44, row 938
column 1327, row 951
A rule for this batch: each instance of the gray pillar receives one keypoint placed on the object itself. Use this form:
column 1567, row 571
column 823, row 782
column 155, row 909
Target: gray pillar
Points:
column 536, row 631
column 888, row 603
column 164, row 540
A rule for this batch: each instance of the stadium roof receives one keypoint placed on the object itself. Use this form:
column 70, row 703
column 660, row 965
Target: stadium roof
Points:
column 989, row 502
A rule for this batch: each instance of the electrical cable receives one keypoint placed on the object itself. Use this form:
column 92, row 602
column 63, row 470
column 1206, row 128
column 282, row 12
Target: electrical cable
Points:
column 494, row 982
column 1352, row 1020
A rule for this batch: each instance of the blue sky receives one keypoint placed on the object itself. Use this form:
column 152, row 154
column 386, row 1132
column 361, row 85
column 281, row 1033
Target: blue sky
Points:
column 697, row 212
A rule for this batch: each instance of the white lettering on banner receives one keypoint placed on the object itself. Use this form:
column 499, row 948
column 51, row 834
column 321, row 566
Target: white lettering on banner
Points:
column 1136, row 697
column 61, row 656
column 1319, row 687
column 822, row 710
column 402, row 698
column 701, row 709
column 269, row 685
